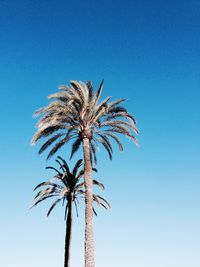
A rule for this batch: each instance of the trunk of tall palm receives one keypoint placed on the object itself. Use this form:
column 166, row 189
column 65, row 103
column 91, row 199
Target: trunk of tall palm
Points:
column 89, row 239
column 68, row 234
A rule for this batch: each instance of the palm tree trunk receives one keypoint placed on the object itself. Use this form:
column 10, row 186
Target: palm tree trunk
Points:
column 89, row 239
column 68, row 234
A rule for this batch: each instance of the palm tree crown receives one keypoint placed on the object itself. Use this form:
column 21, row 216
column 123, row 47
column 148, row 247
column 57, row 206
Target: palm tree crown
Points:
column 66, row 185
column 76, row 113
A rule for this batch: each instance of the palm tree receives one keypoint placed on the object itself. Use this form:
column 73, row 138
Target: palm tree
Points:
column 76, row 113
column 67, row 188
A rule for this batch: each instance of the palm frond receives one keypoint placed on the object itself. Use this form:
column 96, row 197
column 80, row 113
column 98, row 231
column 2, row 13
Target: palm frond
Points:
column 65, row 165
column 76, row 208
column 77, row 166
column 121, row 148
column 42, row 199
column 90, row 90
column 47, row 183
column 100, row 185
column 94, row 169
column 52, row 168
column 98, row 94
column 101, row 201
column 79, row 186
column 96, row 199
column 46, row 132
column 123, row 115
column 62, row 96
column 49, row 142
column 53, row 206
column 116, row 102
column 100, row 110
column 106, row 140
column 123, row 130
column 95, row 213
column 80, row 174
column 93, row 152
column 61, row 165
column 117, row 109
column 100, row 140
column 75, row 146
column 58, row 146
column 64, row 87
column 119, row 123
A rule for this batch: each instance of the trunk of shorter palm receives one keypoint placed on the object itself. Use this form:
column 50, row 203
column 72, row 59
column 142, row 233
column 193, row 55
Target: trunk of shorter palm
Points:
column 68, row 236
column 89, row 239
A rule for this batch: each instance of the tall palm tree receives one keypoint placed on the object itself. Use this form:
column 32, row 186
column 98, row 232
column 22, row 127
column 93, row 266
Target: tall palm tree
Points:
column 76, row 113
column 67, row 188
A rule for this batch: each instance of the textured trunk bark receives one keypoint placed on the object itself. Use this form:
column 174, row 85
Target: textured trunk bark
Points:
column 89, row 239
column 68, row 235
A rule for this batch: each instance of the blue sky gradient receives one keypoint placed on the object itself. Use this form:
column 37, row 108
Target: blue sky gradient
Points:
column 147, row 51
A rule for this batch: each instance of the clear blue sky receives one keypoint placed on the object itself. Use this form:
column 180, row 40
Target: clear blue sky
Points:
column 147, row 51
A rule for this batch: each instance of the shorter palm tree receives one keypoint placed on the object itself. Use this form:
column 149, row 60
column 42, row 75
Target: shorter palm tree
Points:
column 67, row 187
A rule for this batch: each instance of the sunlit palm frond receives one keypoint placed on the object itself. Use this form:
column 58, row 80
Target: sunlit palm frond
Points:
column 90, row 90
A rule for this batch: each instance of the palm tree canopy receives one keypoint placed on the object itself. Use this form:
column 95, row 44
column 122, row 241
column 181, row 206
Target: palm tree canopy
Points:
column 76, row 113
column 66, row 185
